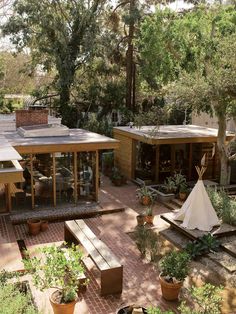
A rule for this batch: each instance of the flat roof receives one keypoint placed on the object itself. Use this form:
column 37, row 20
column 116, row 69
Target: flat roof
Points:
column 7, row 152
column 78, row 140
column 167, row 134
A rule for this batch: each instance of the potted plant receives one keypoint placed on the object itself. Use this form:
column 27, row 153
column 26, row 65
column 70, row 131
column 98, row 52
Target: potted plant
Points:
column 140, row 219
column 58, row 268
column 183, row 191
column 34, row 226
column 117, row 178
column 145, row 195
column 174, row 269
column 149, row 215
column 44, row 225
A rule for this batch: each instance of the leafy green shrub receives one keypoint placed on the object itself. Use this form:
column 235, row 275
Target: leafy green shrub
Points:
column 203, row 245
column 141, row 239
column 147, row 242
column 15, row 302
column 156, row 310
column 6, row 275
column 57, row 268
column 175, row 182
column 207, row 300
column 175, row 265
column 225, row 206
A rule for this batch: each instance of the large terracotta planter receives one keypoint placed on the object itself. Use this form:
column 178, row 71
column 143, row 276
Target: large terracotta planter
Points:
column 170, row 291
column 34, row 226
column 62, row 308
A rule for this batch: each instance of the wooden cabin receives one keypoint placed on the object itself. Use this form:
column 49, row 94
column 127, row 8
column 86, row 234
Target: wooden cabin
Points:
column 153, row 153
column 56, row 165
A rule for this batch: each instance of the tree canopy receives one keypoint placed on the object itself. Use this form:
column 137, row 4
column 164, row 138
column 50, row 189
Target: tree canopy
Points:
column 60, row 34
column 192, row 57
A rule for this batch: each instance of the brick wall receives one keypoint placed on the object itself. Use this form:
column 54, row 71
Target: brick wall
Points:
column 31, row 117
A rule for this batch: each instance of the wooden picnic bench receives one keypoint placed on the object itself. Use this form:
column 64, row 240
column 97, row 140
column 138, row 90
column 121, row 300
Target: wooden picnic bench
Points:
column 111, row 271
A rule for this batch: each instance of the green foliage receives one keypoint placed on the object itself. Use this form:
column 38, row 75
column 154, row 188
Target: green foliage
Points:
column 175, row 265
column 116, row 175
column 149, row 211
column 175, row 182
column 191, row 57
column 13, row 301
column 147, row 242
column 225, row 206
column 202, row 245
column 101, row 126
column 61, row 36
column 141, row 239
column 156, row 310
column 207, row 300
column 6, row 275
column 57, row 268
column 153, row 246
column 145, row 191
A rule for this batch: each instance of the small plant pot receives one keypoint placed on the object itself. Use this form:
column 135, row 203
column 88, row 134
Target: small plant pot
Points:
column 149, row 219
column 44, row 225
column 146, row 200
column 34, row 226
column 170, row 291
column 182, row 196
column 62, row 308
column 140, row 220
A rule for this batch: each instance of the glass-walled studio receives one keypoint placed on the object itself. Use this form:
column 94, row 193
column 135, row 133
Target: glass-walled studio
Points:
column 154, row 163
column 56, row 179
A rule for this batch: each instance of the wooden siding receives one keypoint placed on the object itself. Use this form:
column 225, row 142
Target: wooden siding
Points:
column 70, row 148
column 124, row 155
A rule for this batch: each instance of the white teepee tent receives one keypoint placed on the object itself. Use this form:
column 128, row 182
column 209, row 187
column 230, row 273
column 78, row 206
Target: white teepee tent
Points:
column 197, row 212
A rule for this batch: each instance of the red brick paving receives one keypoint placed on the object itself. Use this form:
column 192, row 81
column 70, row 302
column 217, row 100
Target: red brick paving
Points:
column 140, row 280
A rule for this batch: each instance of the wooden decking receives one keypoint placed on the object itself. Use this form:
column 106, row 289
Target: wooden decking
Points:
column 219, row 231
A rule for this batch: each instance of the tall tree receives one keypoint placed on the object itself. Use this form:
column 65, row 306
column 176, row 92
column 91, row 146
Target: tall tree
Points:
column 196, row 51
column 60, row 34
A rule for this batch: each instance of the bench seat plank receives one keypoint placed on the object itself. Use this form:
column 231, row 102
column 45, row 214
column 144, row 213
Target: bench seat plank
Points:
column 89, row 247
column 100, row 246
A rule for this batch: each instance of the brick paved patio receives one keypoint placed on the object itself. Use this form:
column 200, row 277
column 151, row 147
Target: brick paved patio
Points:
column 140, row 284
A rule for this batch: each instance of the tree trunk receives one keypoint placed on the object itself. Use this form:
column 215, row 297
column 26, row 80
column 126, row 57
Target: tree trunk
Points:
column 221, row 143
column 64, row 103
column 130, row 62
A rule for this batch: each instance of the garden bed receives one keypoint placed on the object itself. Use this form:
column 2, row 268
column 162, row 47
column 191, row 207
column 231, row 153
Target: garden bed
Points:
column 161, row 194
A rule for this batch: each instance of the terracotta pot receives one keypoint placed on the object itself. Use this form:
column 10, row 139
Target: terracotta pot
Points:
column 44, row 225
column 182, row 196
column 170, row 291
column 140, row 220
column 62, row 308
column 34, row 226
column 146, row 200
column 149, row 219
